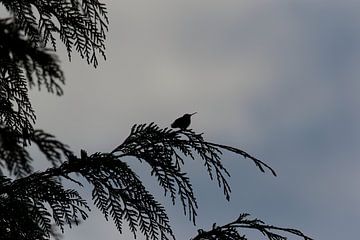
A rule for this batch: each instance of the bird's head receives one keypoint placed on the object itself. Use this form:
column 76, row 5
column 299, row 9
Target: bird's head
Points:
column 189, row 114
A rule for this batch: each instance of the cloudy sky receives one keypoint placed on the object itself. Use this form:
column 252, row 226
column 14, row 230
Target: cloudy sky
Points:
column 279, row 79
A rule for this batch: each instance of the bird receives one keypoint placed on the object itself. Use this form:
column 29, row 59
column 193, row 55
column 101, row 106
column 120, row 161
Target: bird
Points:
column 183, row 122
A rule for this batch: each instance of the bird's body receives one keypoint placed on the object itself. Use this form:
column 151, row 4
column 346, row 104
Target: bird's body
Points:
column 182, row 122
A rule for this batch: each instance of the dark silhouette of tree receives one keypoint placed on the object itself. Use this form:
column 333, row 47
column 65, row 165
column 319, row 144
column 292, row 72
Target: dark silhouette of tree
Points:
column 34, row 204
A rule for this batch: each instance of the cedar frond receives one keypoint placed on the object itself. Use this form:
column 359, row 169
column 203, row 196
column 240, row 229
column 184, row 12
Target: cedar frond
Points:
column 20, row 61
column 120, row 194
column 25, row 204
column 79, row 24
column 117, row 192
column 231, row 231
column 18, row 51
column 52, row 148
column 165, row 149
column 14, row 156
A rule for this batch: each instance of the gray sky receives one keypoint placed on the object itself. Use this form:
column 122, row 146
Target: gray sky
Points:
column 279, row 79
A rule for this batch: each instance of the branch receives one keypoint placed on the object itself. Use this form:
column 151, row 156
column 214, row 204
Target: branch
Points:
column 17, row 51
column 260, row 164
column 117, row 193
column 231, row 230
column 165, row 150
column 14, row 155
column 81, row 24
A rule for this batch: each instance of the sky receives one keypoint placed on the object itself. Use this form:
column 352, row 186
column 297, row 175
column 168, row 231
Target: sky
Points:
column 278, row 79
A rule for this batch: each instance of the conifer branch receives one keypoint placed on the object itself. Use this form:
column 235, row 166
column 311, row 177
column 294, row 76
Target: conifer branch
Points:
column 231, row 231
column 81, row 24
column 21, row 62
column 28, row 59
column 14, row 156
column 118, row 192
column 165, row 149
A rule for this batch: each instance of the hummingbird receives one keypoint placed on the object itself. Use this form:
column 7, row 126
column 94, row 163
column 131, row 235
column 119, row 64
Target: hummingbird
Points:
column 182, row 122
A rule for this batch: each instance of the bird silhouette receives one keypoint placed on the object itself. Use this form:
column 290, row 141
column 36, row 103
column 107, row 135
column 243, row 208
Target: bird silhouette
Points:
column 183, row 122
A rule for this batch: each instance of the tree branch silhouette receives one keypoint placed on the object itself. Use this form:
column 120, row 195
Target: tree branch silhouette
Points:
column 118, row 192
column 230, row 231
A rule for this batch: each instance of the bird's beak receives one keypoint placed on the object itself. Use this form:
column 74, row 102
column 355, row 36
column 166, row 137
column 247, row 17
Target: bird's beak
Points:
column 193, row 113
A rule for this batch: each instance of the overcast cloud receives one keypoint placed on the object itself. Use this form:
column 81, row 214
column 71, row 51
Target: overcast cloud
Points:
column 279, row 79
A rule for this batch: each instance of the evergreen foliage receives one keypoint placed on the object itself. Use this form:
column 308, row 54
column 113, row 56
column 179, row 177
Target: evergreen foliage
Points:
column 230, row 231
column 33, row 205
